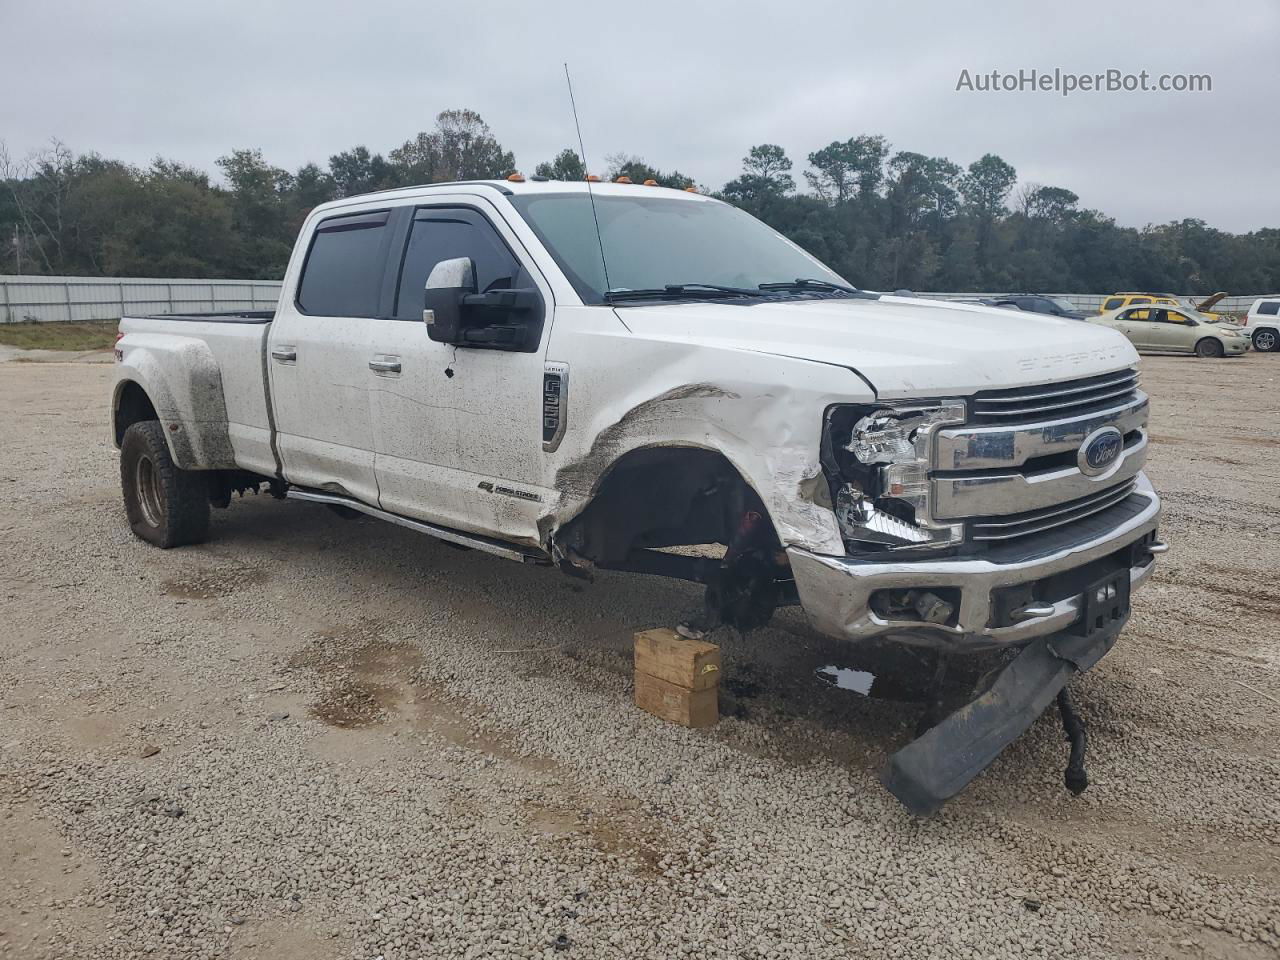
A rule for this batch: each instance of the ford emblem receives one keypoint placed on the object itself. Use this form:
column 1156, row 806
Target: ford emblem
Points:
column 1100, row 452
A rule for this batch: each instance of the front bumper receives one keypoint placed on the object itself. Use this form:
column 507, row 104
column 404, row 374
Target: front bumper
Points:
column 836, row 592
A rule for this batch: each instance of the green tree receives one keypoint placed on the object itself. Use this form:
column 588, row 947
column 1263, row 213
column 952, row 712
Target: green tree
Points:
column 567, row 165
column 629, row 165
column 986, row 186
column 852, row 167
column 357, row 171
column 461, row 147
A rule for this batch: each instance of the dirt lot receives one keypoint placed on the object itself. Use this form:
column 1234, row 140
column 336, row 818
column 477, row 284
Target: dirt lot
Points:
column 317, row 738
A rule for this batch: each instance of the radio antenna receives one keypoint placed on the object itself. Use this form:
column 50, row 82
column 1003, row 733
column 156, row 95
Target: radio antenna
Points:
column 582, row 152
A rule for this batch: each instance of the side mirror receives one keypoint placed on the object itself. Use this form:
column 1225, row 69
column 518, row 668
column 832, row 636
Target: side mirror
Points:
column 449, row 282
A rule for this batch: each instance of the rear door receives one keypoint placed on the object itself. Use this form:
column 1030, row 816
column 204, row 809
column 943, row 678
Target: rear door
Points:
column 319, row 352
column 459, row 428
column 1135, row 325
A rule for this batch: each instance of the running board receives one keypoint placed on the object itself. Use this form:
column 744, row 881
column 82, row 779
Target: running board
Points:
column 474, row 541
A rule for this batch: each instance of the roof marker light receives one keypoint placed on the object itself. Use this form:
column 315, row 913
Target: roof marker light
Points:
column 691, row 189
column 592, row 178
column 516, row 178
column 651, row 183
column 621, row 179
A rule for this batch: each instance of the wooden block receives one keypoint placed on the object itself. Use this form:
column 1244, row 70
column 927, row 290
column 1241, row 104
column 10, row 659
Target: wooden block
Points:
column 668, row 656
column 676, row 704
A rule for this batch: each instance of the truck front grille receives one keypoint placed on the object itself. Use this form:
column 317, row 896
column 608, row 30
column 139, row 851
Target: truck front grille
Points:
column 1012, row 526
column 1055, row 401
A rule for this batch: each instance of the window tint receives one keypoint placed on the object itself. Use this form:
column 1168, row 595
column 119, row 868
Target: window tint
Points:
column 344, row 267
column 1140, row 300
column 1269, row 309
column 443, row 235
column 1115, row 303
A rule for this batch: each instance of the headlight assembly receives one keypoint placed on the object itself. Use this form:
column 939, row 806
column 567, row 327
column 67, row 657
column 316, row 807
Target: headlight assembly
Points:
column 879, row 459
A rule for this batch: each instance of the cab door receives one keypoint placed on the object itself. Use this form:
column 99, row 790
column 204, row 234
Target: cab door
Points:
column 459, row 429
column 318, row 353
column 1171, row 331
column 1135, row 325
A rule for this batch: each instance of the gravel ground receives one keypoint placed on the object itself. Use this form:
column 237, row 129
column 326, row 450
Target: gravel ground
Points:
column 320, row 738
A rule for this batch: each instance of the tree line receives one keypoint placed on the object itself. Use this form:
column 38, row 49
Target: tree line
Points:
column 884, row 218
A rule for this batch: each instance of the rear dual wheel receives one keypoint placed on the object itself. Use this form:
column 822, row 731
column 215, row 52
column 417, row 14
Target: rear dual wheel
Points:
column 166, row 506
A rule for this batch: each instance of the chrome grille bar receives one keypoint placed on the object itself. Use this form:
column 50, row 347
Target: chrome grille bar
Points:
column 1024, row 404
column 1038, row 521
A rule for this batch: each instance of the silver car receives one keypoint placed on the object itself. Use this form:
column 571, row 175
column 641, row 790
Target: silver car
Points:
column 1156, row 328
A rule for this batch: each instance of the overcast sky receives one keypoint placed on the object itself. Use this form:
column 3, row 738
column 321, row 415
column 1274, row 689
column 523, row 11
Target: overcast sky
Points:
column 689, row 85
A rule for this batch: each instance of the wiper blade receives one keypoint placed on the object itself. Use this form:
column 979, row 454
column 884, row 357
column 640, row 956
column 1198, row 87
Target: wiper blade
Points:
column 808, row 283
column 673, row 291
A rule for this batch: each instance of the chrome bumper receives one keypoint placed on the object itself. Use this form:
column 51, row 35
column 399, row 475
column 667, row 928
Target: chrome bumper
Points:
column 836, row 591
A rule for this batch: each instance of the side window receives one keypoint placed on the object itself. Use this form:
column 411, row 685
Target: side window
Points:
column 1139, row 299
column 1115, row 303
column 344, row 267
column 1135, row 315
column 444, row 234
column 1269, row 308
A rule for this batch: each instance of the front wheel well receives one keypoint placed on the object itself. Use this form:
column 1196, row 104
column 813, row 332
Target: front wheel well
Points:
column 661, row 497
column 686, row 513
column 132, row 406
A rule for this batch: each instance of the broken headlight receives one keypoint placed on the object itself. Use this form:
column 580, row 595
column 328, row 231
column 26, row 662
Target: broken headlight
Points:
column 881, row 457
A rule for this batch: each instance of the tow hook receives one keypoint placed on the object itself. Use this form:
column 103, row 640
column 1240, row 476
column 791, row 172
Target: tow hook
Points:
column 1076, row 779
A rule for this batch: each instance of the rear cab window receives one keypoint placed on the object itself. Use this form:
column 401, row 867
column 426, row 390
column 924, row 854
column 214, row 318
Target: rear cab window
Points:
column 342, row 275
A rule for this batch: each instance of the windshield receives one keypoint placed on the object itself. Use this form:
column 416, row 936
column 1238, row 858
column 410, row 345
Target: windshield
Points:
column 651, row 242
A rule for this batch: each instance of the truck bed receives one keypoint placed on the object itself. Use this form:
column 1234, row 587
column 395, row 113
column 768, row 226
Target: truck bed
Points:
column 228, row 316
column 214, row 381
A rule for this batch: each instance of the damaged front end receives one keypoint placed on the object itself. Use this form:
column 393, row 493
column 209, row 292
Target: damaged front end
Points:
column 1016, row 522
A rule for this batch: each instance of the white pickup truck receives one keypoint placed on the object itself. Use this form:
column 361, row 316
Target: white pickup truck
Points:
column 590, row 375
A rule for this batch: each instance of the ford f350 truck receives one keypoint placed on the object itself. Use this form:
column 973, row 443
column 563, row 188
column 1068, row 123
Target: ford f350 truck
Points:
column 604, row 376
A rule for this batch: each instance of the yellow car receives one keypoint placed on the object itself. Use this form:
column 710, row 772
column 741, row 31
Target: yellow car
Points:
column 1119, row 301
column 1162, row 329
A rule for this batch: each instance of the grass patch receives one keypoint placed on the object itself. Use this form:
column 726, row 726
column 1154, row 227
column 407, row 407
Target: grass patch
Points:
column 60, row 335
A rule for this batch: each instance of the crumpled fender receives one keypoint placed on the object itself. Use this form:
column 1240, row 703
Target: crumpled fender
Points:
column 764, row 414
column 181, row 377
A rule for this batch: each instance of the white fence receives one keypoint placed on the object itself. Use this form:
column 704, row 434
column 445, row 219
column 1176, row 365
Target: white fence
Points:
column 36, row 299
column 1092, row 302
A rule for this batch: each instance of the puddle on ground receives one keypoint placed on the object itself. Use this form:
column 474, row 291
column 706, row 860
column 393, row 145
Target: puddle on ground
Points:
column 208, row 584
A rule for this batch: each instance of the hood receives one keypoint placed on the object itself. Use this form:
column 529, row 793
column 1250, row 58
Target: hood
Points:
column 903, row 347
column 1205, row 305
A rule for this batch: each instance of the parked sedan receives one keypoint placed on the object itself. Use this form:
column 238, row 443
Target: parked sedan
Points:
column 1037, row 303
column 1161, row 329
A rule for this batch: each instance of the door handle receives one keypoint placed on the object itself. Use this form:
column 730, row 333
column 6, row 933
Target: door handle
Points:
column 285, row 354
column 384, row 366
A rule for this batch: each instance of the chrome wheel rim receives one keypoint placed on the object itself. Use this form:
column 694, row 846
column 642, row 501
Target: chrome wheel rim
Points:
column 1265, row 341
column 147, row 483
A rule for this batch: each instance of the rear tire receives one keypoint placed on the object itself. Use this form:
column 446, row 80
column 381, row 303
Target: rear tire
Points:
column 166, row 506
column 1210, row 347
column 1265, row 340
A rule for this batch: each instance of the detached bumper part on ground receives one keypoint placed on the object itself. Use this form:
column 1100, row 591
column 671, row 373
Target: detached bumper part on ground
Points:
column 1062, row 606
column 939, row 764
